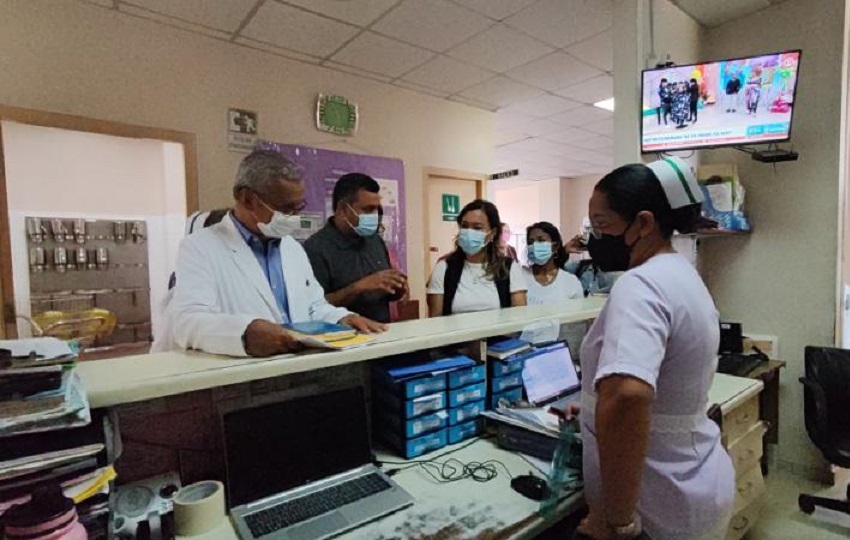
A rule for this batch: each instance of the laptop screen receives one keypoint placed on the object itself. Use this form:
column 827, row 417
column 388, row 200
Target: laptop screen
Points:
column 274, row 448
column 549, row 374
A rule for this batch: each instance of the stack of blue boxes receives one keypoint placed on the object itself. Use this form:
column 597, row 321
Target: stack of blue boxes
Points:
column 506, row 373
column 420, row 407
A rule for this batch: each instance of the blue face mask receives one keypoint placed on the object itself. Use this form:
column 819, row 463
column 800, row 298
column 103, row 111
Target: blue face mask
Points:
column 367, row 224
column 539, row 253
column 471, row 241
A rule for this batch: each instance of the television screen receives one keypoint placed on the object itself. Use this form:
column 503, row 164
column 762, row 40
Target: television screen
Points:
column 732, row 102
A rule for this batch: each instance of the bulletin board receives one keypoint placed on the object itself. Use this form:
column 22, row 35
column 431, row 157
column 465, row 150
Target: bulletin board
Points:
column 322, row 168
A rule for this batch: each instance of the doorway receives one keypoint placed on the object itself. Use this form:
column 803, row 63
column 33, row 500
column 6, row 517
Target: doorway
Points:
column 446, row 192
column 58, row 213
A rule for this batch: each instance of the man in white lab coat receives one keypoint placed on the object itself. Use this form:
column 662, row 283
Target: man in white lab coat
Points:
column 239, row 280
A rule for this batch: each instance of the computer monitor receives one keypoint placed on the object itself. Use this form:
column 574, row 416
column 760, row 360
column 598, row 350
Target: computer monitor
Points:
column 550, row 374
column 274, row 448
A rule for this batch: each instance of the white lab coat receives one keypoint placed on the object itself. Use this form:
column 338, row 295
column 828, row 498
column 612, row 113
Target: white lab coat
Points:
column 221, row 289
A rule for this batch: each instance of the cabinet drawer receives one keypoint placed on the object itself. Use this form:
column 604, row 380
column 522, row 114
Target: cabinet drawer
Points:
column 747, row 450
column 740, row 420
column 744, row 520
column 749, row 487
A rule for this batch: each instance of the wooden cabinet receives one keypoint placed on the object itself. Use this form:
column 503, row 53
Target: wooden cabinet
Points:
column 743, row 437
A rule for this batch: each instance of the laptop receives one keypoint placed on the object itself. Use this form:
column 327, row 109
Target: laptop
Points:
column 302, row 469
column 550, row 377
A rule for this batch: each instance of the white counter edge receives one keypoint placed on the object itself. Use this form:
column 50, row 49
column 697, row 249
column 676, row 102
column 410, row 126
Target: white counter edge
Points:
column 138, row 378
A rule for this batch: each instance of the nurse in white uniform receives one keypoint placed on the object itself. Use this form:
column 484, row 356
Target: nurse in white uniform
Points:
column 548, row 282
column 652, row 459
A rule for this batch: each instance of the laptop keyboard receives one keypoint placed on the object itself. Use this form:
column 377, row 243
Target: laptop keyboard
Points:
column 315, row 504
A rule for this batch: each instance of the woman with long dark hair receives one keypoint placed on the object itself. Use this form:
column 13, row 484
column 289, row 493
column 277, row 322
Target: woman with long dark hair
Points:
column 476, row 276
column 547, row 282
column 652, row 458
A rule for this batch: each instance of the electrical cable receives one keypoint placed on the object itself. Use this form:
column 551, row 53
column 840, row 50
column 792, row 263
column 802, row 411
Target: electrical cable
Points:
column 452, row 469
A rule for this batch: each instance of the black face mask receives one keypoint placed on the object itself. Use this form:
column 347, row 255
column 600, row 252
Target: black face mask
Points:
column 610, row 253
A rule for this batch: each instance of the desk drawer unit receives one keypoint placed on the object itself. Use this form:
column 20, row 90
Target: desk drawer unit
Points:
column 747, row 450
column 749, row 487
column 744, row 520
column 740, row 420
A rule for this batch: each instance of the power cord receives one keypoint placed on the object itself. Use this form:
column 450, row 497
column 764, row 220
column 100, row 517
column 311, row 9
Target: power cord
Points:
column 452, row 469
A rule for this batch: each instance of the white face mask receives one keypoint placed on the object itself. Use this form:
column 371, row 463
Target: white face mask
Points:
column 281, row 225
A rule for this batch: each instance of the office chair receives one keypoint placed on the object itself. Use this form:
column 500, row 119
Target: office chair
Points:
column 826, row 388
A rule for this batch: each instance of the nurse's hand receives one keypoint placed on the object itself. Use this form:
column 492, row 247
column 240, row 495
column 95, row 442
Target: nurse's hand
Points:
column 571, row 411
column 362, row 324
column 265, row 338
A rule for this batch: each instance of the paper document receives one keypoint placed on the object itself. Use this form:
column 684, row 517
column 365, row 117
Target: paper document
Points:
column 47, row 348
column 73, row 412
column 337, row 344
column 28, row 464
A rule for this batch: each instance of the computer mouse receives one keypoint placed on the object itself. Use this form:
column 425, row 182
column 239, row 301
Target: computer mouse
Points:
column 530, row 486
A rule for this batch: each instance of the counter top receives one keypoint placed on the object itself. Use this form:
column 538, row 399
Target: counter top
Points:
column 138, row 378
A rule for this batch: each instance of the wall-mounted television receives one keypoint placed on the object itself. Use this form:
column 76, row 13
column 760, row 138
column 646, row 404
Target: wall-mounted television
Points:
column 739, row 101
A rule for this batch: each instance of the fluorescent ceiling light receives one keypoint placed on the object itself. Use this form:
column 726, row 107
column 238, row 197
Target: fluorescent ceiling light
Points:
column 607, row 104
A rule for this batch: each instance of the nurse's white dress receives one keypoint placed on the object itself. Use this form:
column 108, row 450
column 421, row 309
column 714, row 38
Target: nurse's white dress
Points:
column 660, row 325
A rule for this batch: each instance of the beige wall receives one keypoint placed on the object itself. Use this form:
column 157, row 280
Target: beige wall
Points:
column 575, row 194
column 782, row 279
column 70, row 57
column 673, row 32
column 522, row 203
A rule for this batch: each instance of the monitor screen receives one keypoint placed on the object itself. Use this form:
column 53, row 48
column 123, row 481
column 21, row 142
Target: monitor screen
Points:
column 732, row 102
column 549, row 374
column 274, row 448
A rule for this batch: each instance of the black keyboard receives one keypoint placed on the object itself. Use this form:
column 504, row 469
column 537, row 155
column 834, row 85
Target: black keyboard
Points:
column 315, row 504
column 738, row 364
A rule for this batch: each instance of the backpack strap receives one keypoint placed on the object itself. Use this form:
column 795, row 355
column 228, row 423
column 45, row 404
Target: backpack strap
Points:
column 503, row 286
column 454, row 269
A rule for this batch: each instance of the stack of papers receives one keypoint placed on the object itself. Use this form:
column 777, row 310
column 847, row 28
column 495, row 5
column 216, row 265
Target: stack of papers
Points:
column 324, row 335
column 39, row 390
column 537, row 419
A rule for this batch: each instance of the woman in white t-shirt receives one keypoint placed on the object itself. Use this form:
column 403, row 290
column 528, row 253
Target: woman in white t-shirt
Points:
column 547, row 282
column 476, row 276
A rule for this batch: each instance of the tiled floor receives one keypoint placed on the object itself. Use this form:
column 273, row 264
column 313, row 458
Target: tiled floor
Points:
column 783, row 520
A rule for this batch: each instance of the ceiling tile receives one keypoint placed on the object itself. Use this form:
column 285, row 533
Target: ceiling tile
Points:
column 544, row 106
column 593, row 157
column 510, row 120
column 473, row 102
column 598, row 143
column 541, row 127
column 590, row 91
column 605, row 127
column 448, row 74
column 104, row 3
column 359, row 12
column 224, row 15
column 564, row 22
column 500, row 91
column 421, row 89
column 499, row 49
column 507, row 137
column 381, row 55
column 597, row 51
column 433, row 24
column 171, row 21
column 295, row 29
column 717, row 12
column 356, row 71
column 277, row 50
column 582, row 116
column 496, row 9
column 554, row 71
column 566, row 135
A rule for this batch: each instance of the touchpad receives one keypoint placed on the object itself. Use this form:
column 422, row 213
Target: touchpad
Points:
column 326, row 525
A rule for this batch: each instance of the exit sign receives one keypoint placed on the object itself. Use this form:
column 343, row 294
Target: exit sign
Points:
column 451, row 206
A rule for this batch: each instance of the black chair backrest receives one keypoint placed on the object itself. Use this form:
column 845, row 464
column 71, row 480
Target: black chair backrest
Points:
column 830, row 369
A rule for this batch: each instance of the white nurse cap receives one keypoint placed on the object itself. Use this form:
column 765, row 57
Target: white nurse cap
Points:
column 678, row 180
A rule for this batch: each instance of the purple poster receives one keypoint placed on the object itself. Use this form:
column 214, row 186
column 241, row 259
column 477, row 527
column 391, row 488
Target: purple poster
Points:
column 322, row 168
